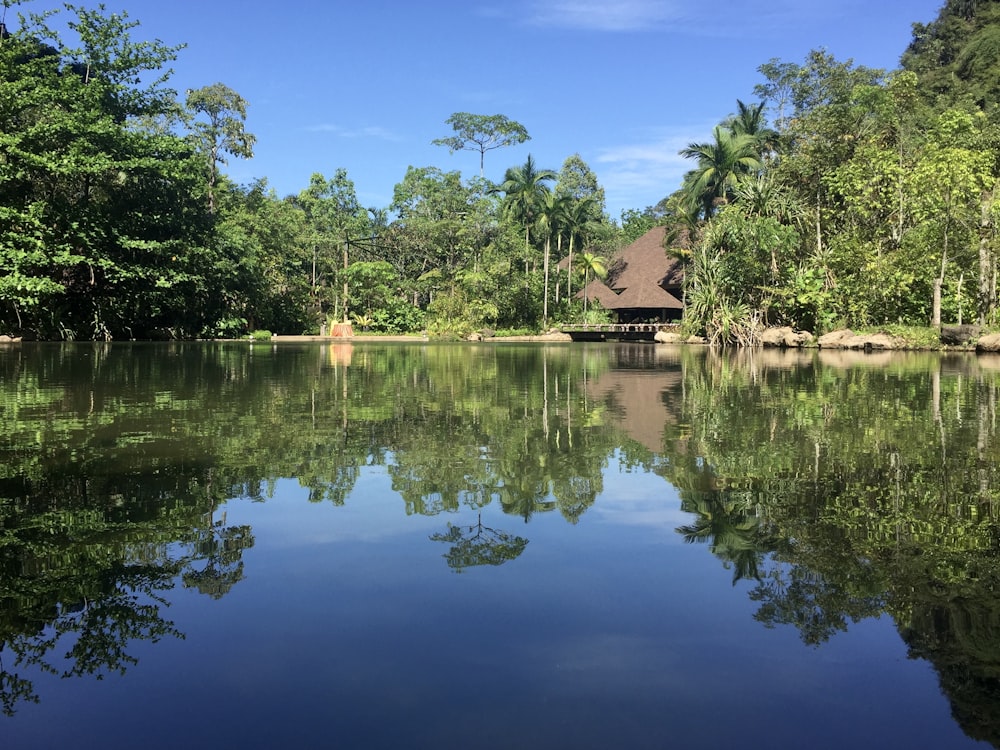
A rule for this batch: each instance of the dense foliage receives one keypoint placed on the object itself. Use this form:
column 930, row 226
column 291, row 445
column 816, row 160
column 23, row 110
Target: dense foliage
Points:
column 116, row 220
column 868, row 199
column 845, row 195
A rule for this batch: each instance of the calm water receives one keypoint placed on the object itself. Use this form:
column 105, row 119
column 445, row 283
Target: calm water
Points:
column 408, row 546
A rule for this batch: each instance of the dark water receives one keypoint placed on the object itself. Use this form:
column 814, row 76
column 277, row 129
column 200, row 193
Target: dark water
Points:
column 496, row 546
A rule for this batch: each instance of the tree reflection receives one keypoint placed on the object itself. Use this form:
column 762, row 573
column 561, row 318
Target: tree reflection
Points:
column 731, row 529
column 846, row 492
column 834, row 491
column 221, row 548
column 477, row 544
column 84, row 579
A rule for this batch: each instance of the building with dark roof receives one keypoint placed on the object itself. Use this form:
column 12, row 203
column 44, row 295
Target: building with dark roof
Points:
column 644, row 284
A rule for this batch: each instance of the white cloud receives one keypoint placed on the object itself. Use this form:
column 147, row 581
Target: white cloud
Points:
column 729, row 18
column 369, row 131
column 640, row 174
column 601, row 15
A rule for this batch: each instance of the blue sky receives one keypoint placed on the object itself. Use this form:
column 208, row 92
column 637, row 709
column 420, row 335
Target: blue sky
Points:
column 367, row 84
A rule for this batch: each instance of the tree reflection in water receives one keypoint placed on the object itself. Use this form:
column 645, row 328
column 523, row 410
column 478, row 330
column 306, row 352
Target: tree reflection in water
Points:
column 479, row 545
column 835, row 490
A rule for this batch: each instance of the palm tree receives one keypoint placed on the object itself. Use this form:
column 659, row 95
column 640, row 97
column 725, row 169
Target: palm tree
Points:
column 579, row 221
column 551, row 220
column 592, row 264
column 524, row 188
column 750, row 120
column 721, row 164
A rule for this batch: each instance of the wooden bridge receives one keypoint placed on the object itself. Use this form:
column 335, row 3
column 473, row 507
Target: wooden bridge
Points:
column 617, row 331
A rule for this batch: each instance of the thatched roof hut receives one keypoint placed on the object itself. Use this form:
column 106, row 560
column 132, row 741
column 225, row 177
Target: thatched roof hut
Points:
column 643, row 281
column 598, row 291
column 645, row 296
column 646, row 261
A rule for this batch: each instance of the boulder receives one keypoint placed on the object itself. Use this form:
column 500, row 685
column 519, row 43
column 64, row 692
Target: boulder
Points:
column 989, row 343
column 696, row 340
column 785, row 337
column 835, row 339
column 776, row 336
column 959, row 335
column 880, row 342
column 668, row 337
column 554, row 335
column 5, row 339
column 474, row 337
column 798, row 339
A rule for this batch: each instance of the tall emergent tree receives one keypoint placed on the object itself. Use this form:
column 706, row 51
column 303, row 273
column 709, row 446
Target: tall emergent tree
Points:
column 482, row 133
column 223, row 130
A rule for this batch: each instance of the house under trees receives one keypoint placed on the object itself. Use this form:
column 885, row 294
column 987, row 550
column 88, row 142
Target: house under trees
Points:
column 643, row 285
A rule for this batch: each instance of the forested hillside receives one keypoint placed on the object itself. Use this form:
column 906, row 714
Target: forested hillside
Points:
column 843, row 195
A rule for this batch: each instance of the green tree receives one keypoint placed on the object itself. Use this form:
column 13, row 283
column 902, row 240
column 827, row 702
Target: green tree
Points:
column 98, row 218
column 579, row 226
column 577, row 180
column 222, row 131
column 721, row 163
column 591, row 264
column 948, row 181
column 334, row 217
column 524, row 188
column 551, row 222
column 482, row 133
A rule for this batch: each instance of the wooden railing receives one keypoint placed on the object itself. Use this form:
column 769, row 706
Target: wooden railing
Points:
column 597, row 331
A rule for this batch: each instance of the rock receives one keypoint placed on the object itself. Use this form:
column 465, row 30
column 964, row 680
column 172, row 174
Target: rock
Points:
column 554, row 335
column 785, row 336
column 776, row 336
column 880, row 342
column 474, row 337
column 5, row 339
column 959, row 335
column 668, row 337
column 848, row 339
column 487, row 333
column 696, row 340
column 798, row 339
column 835, row 339
column 989, row 343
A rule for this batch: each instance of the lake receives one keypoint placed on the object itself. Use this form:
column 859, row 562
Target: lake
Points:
column 497, row 545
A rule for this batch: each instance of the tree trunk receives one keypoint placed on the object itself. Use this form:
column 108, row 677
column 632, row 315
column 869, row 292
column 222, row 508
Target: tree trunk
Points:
column 986, row 300
column 936, row 304
column 558, row 255
column 939, row 282
column 819, row 227
column 569, row 270
column 545, row 276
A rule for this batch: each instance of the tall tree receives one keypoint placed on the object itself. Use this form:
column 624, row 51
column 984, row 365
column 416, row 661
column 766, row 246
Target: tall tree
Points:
column 222, row 132
column 524, row 189
column 97, row 220
column 551, row 223
column 334, row 216
column 721, row 162
column 579, row 223
column 578, row 180
column 482, row 133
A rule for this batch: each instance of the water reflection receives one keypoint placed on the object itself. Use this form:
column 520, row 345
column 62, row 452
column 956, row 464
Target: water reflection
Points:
column 479, row 545
column 835, row 486
column 846, row 488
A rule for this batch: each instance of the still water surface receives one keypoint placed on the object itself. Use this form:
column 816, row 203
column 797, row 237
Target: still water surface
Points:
column 429, row 545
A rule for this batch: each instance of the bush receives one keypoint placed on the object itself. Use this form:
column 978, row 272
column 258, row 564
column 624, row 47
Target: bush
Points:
column 261, row 335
